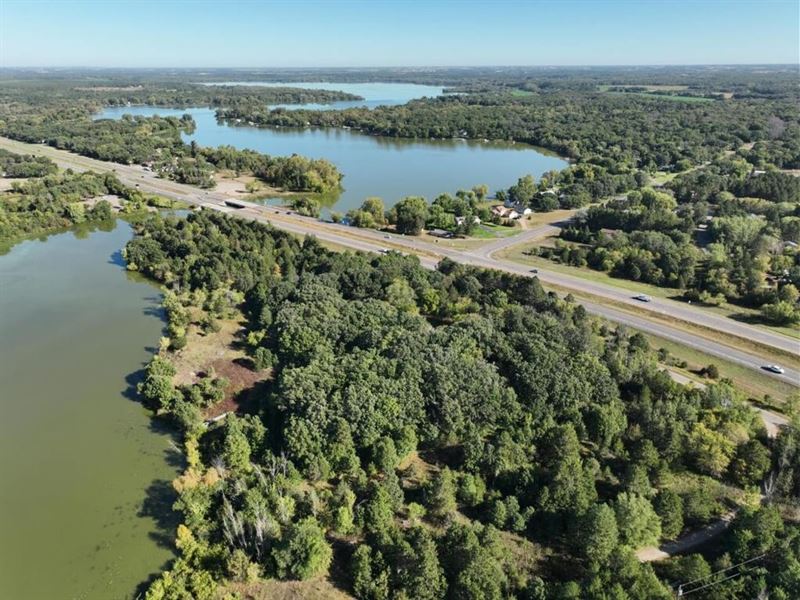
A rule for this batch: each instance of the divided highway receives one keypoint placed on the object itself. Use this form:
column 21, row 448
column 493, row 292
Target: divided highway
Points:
column 430, row 253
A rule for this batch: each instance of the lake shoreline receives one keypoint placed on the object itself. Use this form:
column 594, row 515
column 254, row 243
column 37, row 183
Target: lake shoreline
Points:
column 233, row 122
column 374, row 166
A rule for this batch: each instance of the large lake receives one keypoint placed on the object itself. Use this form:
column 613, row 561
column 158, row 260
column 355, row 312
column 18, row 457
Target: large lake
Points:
column 85, row 476
column 373, row 94
column 390, row 168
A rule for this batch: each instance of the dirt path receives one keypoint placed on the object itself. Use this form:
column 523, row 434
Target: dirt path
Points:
column 772, row 422
column 687, row 542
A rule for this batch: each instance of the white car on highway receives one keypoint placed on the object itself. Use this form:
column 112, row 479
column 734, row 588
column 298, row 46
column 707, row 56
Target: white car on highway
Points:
column 642, row 298
column 774, row 369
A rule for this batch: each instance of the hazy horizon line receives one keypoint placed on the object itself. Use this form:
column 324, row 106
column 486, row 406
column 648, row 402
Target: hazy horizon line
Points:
column 390, row 67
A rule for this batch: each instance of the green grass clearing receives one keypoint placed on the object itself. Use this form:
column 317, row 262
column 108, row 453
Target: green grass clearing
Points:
column 490, row 231
column 662, row 178
column 676, row 98
column 655, row 87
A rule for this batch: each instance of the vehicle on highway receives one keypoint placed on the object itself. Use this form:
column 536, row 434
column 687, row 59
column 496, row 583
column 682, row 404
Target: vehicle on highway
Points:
column 774, row 369
column 534, row 270
column 387, row 237
column 642, row 298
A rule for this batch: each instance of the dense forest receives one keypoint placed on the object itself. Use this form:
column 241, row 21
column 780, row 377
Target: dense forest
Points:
column 24, row 165
column 457, row 433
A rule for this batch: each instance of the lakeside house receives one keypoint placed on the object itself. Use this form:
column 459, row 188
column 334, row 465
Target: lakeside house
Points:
column 461, row 221
column 505, row 212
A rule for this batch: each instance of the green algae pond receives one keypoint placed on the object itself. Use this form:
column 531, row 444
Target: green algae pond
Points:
column 85, row 495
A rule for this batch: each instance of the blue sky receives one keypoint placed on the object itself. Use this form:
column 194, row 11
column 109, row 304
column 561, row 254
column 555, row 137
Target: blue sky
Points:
column 197, row 33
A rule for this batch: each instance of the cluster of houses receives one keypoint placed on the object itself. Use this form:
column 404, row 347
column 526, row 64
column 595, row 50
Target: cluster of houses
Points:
column 510, row 212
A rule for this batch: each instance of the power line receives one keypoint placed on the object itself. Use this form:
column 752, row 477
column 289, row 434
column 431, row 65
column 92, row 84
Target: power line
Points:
column 682, row 592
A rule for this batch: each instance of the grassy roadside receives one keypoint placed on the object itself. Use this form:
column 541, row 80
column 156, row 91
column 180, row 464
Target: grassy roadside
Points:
column 767, row 353
column 490, row 231
column 515, row 254
column 751, row 382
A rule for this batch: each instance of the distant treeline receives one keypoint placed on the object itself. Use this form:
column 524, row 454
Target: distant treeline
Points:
column 741, row 81
column 613, row 131
column 97, row 92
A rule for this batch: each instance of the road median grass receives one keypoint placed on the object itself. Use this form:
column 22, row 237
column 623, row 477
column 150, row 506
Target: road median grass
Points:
column 767, row 353
column 754, row 384
column 738, row 313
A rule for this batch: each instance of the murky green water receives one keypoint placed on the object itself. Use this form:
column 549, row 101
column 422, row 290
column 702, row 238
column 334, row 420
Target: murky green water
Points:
column 84, row 476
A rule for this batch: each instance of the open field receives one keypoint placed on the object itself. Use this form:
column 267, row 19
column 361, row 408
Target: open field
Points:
column 217, row 352
column 649, row 88
column 666, row 92
column 272, row 589
column 664, row 96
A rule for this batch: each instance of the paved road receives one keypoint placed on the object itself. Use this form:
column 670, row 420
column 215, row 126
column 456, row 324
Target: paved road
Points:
column 772, row 421
column 431, row 253
column 529, row 235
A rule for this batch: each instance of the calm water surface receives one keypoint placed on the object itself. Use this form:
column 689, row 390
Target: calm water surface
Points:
column 85, row 496
column 373, row 94
column 391, row 168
